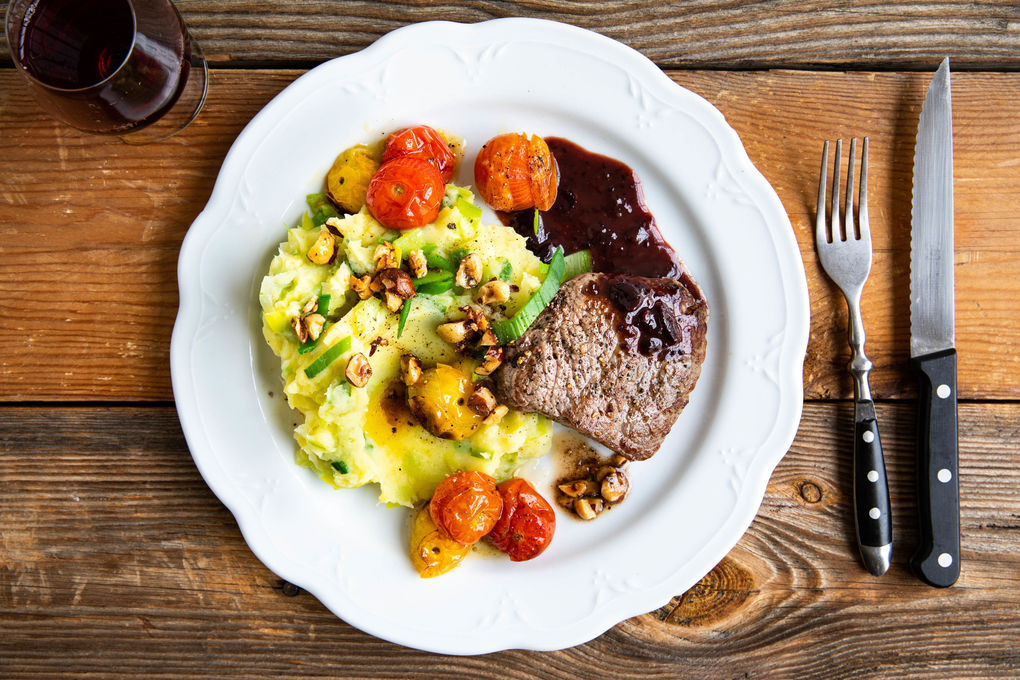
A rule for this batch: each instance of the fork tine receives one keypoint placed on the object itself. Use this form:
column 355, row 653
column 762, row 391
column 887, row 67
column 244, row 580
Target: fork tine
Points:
column 820, row 236
column 834, row 220
column 848, row 214
column 862, row 201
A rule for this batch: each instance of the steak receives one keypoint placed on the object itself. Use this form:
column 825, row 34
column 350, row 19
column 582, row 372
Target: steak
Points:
column 612, row 356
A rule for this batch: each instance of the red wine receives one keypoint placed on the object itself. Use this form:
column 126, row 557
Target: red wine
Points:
column 107, row 67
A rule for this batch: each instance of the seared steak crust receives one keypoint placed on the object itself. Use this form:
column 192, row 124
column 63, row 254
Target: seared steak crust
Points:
column 614, row 357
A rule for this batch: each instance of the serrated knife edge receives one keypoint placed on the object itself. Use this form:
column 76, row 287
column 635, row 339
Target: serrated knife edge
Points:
column 931, row 235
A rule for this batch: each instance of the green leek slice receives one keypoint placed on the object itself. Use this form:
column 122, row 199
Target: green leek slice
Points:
column 328, row 357
column 576, row 263
column 511, row 329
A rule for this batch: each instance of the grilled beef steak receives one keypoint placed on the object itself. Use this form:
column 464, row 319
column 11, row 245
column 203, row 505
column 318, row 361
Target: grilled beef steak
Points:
column 613, row 356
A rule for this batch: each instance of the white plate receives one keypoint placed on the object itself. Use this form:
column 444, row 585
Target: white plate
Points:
column 689, row 504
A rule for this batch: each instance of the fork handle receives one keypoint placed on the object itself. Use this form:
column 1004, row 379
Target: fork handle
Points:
column 871, row 491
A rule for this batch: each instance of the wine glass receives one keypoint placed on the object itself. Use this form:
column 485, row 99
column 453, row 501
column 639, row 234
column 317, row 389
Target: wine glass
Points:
column 121, row 67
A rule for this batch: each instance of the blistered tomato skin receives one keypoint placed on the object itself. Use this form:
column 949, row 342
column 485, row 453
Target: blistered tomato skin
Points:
column 527, row 524
column 405, row 193
column 424, row 143
column 513, row 172
column 466, row 506
column 432, row 553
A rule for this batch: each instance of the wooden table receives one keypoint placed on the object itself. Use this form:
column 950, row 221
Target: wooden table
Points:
column 117, row 560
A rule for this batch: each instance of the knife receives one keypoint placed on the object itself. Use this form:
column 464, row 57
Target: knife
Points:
column 932, row 352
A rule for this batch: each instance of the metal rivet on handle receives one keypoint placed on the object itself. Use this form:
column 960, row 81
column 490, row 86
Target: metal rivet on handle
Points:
column 868, row 436
column 943, row 391
column 944, row 475
column 945, row 560
column 874, row 513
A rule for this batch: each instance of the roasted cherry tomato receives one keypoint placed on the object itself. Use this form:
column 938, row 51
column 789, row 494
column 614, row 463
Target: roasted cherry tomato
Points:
column 527, row 524
column 513, row 172
column 405, row 193
column 422, row 142
column 466, row 505
column 432, row 553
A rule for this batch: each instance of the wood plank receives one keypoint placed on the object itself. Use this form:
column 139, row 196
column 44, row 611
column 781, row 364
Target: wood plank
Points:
column 699, row 34
column 85, row 218
column 116, row 559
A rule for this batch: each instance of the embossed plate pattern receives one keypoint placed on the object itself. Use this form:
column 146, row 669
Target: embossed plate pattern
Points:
column 689, row 504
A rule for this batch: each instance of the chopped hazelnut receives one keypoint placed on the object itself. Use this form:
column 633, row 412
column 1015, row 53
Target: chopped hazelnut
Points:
column 313, row 323
column 588, row 508
column 475, row 319
column 310, row 306
column 494, row 292
column 397, row 282
column 362, row 285
column 393, row 302
column 324, row 248
column 469, row 273
column 493, row 358
column 577, row 488
column 482, row 401
column 496, row 415
column 410, row 369
column 453, row 331
column 300, row 329
column 418, row 264
column 615, row 486
column 358, row 370
column 385, row 256
column 488, row 339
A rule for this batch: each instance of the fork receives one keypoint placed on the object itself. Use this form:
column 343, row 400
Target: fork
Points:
column 845, row 254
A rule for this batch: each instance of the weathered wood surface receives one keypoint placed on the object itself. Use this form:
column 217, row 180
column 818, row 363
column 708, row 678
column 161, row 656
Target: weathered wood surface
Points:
column 90, row 227
column 117, row 561
column 678, row 34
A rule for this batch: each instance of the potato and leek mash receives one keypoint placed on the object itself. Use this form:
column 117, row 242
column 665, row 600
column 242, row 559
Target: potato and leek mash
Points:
column 354, row 435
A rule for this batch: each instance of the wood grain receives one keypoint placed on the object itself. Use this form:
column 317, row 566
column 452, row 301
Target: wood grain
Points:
column 116, row 560
column 697, row 34
column 90, row 227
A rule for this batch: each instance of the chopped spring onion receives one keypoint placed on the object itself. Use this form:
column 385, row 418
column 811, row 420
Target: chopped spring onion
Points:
column 576, row 263
column 322, row 305
column 507, row 271
column 340, row 467
column 468, row 210
column 412, row 239
column 435, row 261
column 321, row 209
column 511, row 329
column 535, row 222
column 404, row 312
column 435, row 282
column 328, row 357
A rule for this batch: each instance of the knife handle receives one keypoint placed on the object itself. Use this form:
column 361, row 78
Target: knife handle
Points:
column 871, row 491
column 937, row 560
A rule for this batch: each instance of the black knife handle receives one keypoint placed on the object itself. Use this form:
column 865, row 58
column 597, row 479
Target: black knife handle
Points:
column 937, row 560
column 871, row 491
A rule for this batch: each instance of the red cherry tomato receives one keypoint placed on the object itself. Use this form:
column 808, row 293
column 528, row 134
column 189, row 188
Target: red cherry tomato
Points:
column 466, row 505
column 405, row 193
column 422, row 142
column 527, row 524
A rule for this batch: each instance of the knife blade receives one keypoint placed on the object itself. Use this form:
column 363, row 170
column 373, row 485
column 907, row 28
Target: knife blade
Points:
column 932, row 338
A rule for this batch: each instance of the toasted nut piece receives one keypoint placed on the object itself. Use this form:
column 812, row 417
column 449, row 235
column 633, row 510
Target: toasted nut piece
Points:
column 410, row 369
column 488, row 339
column 313, row 323
column 482, row 401
column 358, row 370
column 494, row 292
column 323, row 249
column 469, row 273
column 580, row 487
column 418, row 264
column 397, row 282
column 362, row 285
column 475, row 319
column 496, row 415
column 310, row 306
column 376, row 344
column 385, row 256
column 493, row 358
column 393, row 302
column 604, row 472
column 453, row 331
column 615, row 486
column 588, row 508
column 300, row 329
column 619, row 461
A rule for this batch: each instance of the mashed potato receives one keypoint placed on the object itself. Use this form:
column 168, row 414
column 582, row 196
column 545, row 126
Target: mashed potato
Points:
column 354, row 436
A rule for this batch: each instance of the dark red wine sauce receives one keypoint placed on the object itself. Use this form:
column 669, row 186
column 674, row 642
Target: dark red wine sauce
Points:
column 599, row 206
